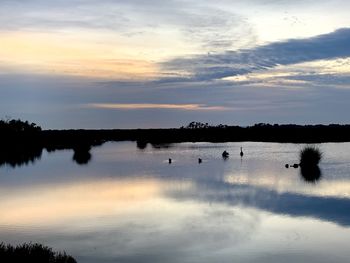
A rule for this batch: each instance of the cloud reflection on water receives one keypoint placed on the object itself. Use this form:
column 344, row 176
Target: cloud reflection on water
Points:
column 114, row 211
column 51, row 204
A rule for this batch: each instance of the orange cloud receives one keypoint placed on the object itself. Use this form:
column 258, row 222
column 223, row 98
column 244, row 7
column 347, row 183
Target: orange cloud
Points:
column 78, row 55
column 138, row 106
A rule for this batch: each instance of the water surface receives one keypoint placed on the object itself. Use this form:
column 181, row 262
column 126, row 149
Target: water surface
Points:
column 130, row 205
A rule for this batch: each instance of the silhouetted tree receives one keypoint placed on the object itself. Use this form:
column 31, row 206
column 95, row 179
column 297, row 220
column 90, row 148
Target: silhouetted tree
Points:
column 18, row 126
column 19, row 142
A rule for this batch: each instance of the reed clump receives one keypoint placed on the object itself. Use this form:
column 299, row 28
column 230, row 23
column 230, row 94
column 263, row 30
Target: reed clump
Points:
column 310, row 156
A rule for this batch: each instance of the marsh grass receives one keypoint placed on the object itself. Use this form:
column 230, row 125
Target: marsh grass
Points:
column 30, row 253
column 310, row 156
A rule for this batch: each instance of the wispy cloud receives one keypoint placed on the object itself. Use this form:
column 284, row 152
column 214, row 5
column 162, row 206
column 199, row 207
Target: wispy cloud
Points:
column 200, row 25
column 141, row 106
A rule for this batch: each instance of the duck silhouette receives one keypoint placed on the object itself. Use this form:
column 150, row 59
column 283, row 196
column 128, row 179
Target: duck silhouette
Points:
column 225, row 154
column 295, row 165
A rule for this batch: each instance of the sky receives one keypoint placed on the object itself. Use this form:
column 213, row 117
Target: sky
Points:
column 164, row 63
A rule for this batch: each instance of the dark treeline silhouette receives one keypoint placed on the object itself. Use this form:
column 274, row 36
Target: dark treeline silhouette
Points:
column 60, row 139
column 19, row 142
column 22, row 142
column 32, row 253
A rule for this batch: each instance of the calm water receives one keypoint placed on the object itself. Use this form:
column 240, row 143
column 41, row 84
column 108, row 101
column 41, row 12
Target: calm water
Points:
column 130, row 205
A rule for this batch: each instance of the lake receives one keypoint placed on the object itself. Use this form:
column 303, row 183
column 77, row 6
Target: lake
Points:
column 128, row 204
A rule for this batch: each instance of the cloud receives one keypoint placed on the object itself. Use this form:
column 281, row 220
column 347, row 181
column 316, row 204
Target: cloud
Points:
column 335, row 80
column 201, row 26
column 61, row 102
column 143, row 106
column 232, row 63
column 54, row 15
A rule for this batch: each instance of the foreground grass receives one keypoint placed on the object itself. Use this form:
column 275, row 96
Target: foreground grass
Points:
column 30, row 253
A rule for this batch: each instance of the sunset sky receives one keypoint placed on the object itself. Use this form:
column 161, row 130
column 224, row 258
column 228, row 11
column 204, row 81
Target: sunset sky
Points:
column 165, row 63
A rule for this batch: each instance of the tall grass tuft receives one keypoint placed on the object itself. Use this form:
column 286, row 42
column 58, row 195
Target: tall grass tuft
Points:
column 32, row 253
column 310, row 156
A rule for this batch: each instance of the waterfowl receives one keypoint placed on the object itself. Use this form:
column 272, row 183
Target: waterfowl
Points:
column 170, row 160
column 199, row 160
column 241, row 153
column 225, row 154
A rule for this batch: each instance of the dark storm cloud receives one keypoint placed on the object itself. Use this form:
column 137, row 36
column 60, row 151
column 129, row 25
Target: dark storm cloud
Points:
column 231, row 63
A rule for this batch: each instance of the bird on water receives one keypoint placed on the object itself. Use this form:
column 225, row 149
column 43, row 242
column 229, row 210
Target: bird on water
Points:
column 225, row 154
column 295, row 165
column 241, row 153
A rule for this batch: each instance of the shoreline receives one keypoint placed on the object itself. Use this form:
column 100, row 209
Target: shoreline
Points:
column 18, row 147
column 256, row 133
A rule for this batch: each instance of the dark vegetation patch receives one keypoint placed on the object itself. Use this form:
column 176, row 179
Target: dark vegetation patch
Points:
column 22, row 142
column 310, row 156
column 32, row 253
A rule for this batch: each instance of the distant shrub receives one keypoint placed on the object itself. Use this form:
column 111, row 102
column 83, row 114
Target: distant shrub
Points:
column 310, row 156
column 30, row 253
